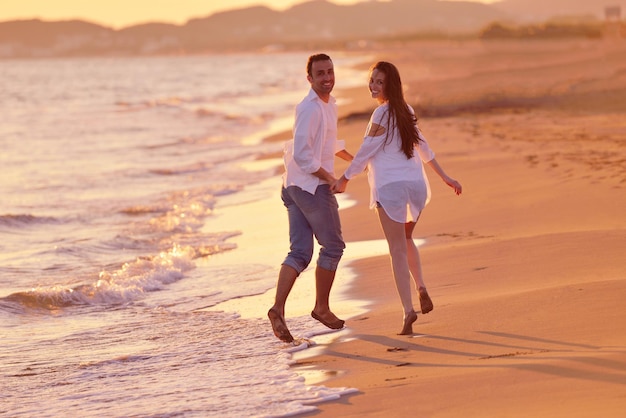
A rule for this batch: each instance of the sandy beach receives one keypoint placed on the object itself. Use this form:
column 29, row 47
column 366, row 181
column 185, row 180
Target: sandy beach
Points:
column 527, row 269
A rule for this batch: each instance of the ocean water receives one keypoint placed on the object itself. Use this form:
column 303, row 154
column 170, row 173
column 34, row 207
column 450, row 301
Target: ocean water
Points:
column 142, row 233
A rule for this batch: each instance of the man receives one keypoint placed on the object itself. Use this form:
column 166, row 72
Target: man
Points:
column 311, row 205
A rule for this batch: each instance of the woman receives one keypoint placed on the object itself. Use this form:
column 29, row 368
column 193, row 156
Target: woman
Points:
column 393, row 150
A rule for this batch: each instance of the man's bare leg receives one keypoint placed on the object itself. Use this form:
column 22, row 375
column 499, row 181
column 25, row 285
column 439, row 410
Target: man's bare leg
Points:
column 323, row 283
column 286, row 278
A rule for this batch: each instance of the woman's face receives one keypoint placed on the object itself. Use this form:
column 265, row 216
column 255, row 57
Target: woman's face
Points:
column 377, row 85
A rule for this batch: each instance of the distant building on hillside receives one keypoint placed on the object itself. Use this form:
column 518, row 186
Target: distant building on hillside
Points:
column 613, row 13
column 613, row 25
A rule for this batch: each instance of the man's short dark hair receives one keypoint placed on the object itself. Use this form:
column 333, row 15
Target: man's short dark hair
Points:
column 315, row 58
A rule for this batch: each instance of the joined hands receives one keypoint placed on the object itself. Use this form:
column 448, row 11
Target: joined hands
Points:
column 339, row 185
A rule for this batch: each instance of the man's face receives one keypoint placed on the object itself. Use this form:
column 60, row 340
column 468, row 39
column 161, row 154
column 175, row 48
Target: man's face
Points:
column 322, row 78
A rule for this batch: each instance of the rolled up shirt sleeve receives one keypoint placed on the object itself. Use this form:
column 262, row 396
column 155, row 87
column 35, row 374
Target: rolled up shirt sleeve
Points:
column 340, row 145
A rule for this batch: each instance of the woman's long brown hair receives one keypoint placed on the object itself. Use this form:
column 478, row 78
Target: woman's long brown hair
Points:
column 399, row 114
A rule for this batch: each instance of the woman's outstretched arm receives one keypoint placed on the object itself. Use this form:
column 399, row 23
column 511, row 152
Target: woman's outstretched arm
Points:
column 447, row 179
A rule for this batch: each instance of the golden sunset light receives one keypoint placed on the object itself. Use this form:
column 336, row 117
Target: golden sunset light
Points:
column 120, row 13
column 329, row 208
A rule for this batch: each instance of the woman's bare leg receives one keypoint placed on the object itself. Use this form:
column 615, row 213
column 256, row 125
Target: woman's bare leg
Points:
column 415, row 266
column 395, row 235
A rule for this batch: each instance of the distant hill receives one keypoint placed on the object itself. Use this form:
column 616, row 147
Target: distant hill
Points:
column 316, row 23
column 537, row 10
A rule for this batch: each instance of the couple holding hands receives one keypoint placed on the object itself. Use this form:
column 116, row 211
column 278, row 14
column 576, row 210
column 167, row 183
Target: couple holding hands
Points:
column 394, row 152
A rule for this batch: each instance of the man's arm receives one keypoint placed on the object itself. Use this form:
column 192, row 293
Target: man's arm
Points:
column 325, row 175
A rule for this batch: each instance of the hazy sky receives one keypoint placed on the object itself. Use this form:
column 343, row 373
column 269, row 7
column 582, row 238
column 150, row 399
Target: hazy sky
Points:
column 119, row 13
